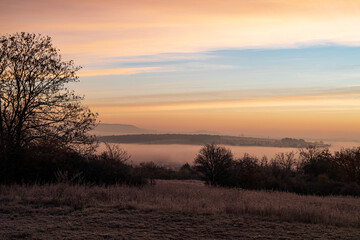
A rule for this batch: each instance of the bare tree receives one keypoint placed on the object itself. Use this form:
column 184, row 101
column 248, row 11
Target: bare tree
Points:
column 35, row 105
column 348, row 161
column 286, row 161
column 214, row 162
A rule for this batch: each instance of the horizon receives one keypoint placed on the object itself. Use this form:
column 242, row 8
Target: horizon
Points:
column 136, row 130
column 265, row 68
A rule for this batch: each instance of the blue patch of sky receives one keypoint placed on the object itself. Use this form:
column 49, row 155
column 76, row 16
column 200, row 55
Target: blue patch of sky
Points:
column 317, row 66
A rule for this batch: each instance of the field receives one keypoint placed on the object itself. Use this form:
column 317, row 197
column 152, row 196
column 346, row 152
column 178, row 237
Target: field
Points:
column 172, row 210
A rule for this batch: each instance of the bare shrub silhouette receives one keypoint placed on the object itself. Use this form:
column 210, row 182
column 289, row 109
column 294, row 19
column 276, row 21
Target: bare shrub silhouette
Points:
column 286, row 161
column 115, row 152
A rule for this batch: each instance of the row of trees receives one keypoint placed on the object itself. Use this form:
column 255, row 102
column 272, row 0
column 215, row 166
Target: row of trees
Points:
column 315, row 170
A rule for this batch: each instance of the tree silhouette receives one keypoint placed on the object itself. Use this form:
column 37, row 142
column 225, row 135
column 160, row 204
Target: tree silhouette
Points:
column 213, row 162
column 35, row 105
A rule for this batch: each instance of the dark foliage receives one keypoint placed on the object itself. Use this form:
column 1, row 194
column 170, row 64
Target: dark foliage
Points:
column 317, row 171
column 152, row 171
column 41, row 121
column 347, row 161
column 35, row 105
column 51, row 163
column 214, row 162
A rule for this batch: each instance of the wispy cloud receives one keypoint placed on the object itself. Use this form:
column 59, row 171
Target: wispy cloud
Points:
column 163, row 57
column 339, row 98
column 332, row 113
column 132, row 28
column 120, row 71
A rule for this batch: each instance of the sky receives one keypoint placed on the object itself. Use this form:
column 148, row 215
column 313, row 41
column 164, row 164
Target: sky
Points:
column 274, row 68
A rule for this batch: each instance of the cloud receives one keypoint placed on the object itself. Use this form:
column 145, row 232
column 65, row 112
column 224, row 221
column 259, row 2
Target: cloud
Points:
column 310, row 112
column 163, row 57
column 135, row 28
column 119, row 71
column 311, row 99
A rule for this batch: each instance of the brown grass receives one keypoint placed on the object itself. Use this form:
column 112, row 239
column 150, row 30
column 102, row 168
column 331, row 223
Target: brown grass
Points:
column 192, row 197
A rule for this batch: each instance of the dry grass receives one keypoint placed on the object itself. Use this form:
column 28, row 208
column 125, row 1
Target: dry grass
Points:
column 192, row 197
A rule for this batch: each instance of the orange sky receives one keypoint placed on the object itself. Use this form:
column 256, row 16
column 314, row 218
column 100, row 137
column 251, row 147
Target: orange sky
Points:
column 325, row 115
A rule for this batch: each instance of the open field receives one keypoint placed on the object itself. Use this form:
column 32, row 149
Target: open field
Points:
column 172, row 210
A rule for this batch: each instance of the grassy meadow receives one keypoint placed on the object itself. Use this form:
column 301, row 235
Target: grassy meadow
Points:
column 171, row 200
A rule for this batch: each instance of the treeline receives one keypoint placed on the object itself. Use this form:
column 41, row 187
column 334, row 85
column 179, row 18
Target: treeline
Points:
column 51, row 163
column 202, row 139
column 314, row 171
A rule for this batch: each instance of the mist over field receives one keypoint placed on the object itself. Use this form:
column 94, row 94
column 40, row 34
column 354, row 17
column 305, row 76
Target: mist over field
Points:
column 175, row 155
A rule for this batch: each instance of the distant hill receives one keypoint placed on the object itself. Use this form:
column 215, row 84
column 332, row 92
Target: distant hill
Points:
column 200, row 132
column 201, row 139
column 104, row 129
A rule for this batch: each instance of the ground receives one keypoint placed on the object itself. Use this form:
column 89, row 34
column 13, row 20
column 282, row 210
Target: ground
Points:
column 32, row 222
column 24, row 214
